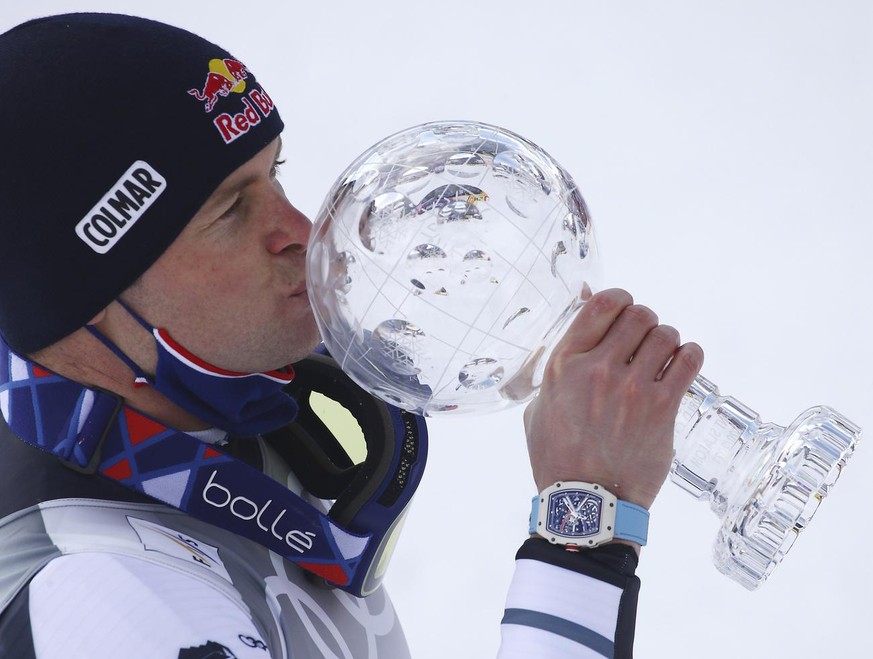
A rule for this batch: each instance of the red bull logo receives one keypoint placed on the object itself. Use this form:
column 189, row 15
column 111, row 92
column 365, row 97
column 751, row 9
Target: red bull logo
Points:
column 228, row 76
column 225, row 76
column 257, row 105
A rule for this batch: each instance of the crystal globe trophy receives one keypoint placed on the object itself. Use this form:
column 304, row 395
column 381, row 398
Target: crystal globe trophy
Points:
column 444, row 265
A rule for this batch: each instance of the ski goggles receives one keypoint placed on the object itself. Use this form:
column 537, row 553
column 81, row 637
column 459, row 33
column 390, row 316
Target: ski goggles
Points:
column 360, row 458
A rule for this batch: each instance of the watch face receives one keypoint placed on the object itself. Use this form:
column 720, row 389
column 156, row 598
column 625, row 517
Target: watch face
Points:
column 574, row 513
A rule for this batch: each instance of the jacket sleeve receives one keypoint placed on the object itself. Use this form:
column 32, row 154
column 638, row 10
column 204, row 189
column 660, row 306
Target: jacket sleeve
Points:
column 564, row 604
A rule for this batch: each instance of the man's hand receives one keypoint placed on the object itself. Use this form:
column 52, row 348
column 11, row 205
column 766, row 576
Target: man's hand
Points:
column 608, row 403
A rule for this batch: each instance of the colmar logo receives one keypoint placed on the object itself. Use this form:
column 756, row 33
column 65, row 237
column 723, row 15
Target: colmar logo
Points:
column 121, row 207
column 228, row 76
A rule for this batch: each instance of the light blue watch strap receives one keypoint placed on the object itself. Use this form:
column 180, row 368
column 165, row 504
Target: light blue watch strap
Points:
column 534, row 509
column 631, row 522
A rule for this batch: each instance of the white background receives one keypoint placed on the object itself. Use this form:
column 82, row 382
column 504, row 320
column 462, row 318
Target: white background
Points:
column 725, row 150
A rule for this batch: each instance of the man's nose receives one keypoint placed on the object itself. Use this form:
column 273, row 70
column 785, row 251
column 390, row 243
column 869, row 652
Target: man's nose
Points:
column 291, row 229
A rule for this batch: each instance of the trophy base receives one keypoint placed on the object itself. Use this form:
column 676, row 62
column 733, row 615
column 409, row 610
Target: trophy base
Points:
column 783, row 495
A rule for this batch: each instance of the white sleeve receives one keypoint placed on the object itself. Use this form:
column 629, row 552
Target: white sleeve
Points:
column 563, row 604
column 102, row 605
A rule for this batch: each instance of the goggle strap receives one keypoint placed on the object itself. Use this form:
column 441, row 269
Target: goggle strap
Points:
column 104, row 436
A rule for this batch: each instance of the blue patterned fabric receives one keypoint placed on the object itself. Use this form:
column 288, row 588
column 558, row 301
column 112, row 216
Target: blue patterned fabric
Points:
column 93, row 431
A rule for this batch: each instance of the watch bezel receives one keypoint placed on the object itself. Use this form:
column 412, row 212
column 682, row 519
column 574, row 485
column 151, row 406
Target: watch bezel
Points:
column 607, row 515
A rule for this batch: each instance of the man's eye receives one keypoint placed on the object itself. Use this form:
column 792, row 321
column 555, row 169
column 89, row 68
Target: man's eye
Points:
column 274, row 170
column 233, row 207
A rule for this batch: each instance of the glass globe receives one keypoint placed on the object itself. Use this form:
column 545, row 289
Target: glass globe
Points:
column 444, row 265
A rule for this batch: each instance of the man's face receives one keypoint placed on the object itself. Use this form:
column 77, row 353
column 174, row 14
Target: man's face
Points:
column 231, row 288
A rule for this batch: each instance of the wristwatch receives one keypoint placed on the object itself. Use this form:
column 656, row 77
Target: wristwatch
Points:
column 583, row 515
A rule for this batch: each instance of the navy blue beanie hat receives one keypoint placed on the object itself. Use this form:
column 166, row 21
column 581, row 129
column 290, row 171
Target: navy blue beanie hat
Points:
column 115, row 131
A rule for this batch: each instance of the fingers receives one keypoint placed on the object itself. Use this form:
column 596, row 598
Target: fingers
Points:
column 684, row 367
column 655, row 351
column 629, row 331
column 659, row 355
column 594, row 320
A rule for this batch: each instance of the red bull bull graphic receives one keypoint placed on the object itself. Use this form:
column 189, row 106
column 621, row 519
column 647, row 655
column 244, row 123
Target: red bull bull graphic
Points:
column 236, row 69
column 228, row 76
column 225, row 76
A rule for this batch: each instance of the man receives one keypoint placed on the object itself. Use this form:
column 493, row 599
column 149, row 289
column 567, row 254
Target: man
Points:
column 152, row 297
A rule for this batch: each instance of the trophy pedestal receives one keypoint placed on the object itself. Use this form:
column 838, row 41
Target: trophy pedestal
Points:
column 764, row 481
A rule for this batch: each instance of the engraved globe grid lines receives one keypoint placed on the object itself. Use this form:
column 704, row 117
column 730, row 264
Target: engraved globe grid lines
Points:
column 435, row 202
column 388, row 231
column 470, row 324
column 457, row 253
